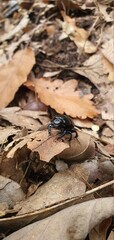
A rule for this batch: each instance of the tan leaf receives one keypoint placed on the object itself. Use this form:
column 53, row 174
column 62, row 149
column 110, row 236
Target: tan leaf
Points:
column 39, row 141
column 6, row 132
column 108, row 59
column 78, row 35
column 108, row 16
column 23, row 118
column 108, row 50
column 93, row 69
column 10, row 193
column 67, row 186
column 64, row 99
column 14, row 73
column 74, row 222
column 22, row 24
column 108, row 69
column 50, row 146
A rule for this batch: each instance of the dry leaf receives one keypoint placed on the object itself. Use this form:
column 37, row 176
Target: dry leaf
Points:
column 6, row 132
column 76, row 34
column 93, row 69
column 67, row 186
column 48, row 147
column 39, row 141
column 80, row 149
column 103, row 9
column 22, row 24
column 24, row 118
column 10, row 192
column 64, row 99
column 100, row 231
column 108, row 140
column 83, row 123
column 107, row 132
column 14, row 73
column 12, row 48
column 74, row 222
column 108, row 50
column 110, row 124
column 107, row 112
column 108, row 69
column 108, row 58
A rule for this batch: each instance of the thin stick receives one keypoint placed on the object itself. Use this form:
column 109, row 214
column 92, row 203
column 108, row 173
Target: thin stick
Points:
column 100, row 187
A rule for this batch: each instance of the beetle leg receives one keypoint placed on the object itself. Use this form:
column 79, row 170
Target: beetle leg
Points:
column 74, row 130
column 76, row 136
column 64, row 133
column 49, row 128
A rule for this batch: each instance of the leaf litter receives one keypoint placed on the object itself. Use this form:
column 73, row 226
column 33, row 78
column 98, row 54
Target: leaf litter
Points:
column 14, row 73
column 57, row 59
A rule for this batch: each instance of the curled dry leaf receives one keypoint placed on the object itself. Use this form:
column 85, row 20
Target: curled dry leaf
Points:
column 14, row 73
column 80, row 149
column 64, row 99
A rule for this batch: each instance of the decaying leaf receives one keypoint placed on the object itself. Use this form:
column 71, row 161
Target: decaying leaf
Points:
column 12, row 47
column 50, row 146
column 108, row 50
column 24, row 118
column 76, row 46
column 6, row 132
column 100, row 231
column 14, row 73
column 76, row 34
column 93, row 69
column 74, row 222
column 39, row 141
column 22, row 24
column 67, row 186
column 108, row 16
column 10, row 193
column 64, row 99
column 108, row 69
column 83, row 123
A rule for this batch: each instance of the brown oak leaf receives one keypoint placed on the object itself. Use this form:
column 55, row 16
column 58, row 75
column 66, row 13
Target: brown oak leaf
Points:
column 64, row 99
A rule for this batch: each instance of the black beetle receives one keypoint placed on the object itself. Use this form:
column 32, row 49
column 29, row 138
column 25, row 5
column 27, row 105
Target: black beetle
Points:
column 64, row 124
